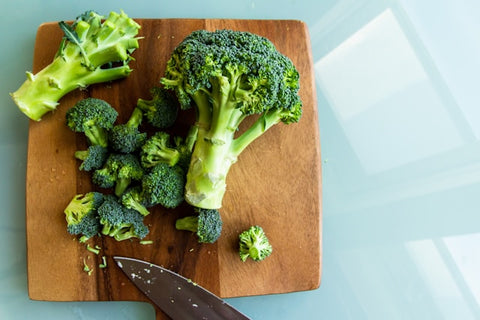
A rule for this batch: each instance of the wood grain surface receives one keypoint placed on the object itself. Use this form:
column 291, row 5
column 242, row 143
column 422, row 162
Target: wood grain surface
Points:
column 276, row 183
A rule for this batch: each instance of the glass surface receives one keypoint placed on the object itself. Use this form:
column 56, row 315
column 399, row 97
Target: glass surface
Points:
column 398, row 106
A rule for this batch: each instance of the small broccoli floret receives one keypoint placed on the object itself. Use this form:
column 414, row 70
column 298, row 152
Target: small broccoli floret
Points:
column 164, row 185
column 185, row 147
column 162, row 110
column 254, row 244
column 85, row 56
column 94, row 117
column 92, row 158
column 119, row 222
column 158, row 149
column 127, row 138
column 133, row 199
column 207, row 224
column 81, row 214
column 119, row 170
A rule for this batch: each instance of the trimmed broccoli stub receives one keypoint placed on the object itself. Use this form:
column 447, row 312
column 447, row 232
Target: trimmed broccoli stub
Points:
column 164, row 185
column 127, row 138
column 94, row 117
column 158, row 149
column 85, row 56
column 207, row 224
column 119, row 222
column 133, row 199
column 254, row 244
column 229, row 75
column 119, row 170
column 162, row 110
column 81, row 214
column 92, row 158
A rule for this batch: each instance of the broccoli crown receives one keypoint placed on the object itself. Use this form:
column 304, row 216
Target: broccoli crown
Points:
column 162, row 110
column 164, row 185
column 92, row 158
column 94, row 49
column 94, row 117
column 207, row 224
column 127, row 138
column 254, row 244
column 81, row 214
column 120, row 222
column 158, row 149
column 133, row 198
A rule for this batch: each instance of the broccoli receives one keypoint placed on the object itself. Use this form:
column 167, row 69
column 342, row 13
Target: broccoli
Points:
column 162, row 110
column 127, row 138
column 254, row 244
column 228, row 76
column 207, row 224
column 133, row 198
column 85, row 56
column 119, row 222
column 119, row 170
column 158, row 149
column 164, row 185
column 94, row 117
column 81, row 214
column 185, row 147
column 92, row 158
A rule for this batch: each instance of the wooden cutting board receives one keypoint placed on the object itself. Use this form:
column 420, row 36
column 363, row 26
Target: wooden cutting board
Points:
column 276, row 183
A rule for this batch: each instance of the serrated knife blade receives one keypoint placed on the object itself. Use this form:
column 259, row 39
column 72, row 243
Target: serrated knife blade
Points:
column 177, row 296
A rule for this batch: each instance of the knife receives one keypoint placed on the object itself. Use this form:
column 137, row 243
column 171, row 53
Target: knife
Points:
column 177, row 296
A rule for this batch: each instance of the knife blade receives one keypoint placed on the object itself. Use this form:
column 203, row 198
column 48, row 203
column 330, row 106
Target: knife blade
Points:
column 177, row 296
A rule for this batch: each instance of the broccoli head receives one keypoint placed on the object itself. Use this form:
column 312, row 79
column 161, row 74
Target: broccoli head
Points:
column 133, row 198
column 162, row 110
column 207, row 224
column 81, row 214
column 94, row 117
column 228, row 76
column 93, row 50
column 92, row 158
column 126, row 137
column 164, row 185
column 254, row 244
column 158, row 149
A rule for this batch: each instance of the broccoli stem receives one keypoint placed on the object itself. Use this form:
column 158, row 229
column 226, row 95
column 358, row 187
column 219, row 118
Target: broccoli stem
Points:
column 122, row 185
column 136, row 118
column 189, row 223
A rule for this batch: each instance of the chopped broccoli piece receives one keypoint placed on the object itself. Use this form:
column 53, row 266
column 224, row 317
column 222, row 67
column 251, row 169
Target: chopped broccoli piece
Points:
column 158, row 149
column 185, row 147
column 133, row 199
column 92, row 158
column 164, row 185
column 254, row 244
column 126, row 137
column 119, row 222
column 94, row 117
column 119, row 170
column 81, row 214
column 207, row 224
column 228, row 76
column 162, row 110
column 85, row 56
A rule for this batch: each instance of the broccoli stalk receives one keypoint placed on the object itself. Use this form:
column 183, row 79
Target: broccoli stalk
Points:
column 229, row 76
column 87, row 47
column 254, row 244
column 207, row 224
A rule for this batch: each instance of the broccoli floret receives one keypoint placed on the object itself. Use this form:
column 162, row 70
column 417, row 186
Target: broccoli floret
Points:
column 254, row 244
column 185, row 147
column 81, row 214
column 207, row 224
column 127, row 138
column 92, row 158
column 164, row 185
column 119, row 222
column 162, row 110
column 158, row 149
column 94, row 117
column 86, row 55
column 133, row 199
column 119, row 170
column 228, row 76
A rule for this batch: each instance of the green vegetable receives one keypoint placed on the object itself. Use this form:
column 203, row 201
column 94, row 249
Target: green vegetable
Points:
column 91, row 52
column 164, row 185
column 161, row 111
column 228, row 76
column 207, row 224
column 158, row 149
column 133, row 199
column 254, row 244
column 94, row 117
column 81, row 214
column 127, row 138
column 92, row 158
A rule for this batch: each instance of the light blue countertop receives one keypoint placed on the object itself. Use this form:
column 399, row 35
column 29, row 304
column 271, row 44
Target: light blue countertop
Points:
column 399, row 113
